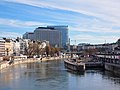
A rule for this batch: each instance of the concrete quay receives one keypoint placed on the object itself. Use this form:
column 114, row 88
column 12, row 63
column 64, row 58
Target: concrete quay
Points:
column 93, row 65
column 112, row 67
column 7, row 64
column 111, row 62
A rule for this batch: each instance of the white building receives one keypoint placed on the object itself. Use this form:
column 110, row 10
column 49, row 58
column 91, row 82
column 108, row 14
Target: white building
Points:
column 23, row 45
column 20, row 46
column 2, row 47
column 109, row 47
column 16, row 48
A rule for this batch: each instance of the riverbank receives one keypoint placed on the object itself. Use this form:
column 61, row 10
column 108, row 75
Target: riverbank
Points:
column 7, row 64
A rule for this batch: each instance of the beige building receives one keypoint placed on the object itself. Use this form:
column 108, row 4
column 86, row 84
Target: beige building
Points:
column 9, row 47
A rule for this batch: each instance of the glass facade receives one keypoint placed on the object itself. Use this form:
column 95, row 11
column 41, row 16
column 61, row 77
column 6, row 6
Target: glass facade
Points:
column 64, row 33
column 53, row 36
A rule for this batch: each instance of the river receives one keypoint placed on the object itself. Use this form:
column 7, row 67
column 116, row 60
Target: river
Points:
column 53, row 76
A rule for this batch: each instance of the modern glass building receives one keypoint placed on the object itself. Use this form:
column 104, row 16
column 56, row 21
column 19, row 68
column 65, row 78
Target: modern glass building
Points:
column 64, row 34
column 118, row 42
column 28, row 35
column 54, row 34
column 48, row 34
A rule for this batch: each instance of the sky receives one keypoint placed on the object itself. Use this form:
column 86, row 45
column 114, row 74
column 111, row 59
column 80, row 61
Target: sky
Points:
column 89, row 21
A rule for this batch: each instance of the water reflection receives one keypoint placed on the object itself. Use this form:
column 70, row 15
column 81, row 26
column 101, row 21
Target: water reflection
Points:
column 53, row 75
column 111, row 76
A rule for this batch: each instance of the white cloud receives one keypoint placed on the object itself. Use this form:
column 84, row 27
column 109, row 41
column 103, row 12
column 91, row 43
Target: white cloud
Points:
column 10, row 34
column 107, row 10
column 19, row 23
column 106, row 13
column 95, row 29
column 95, row 39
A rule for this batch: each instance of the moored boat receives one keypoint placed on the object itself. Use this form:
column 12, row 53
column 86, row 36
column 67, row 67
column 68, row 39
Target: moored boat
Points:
column 74, row 65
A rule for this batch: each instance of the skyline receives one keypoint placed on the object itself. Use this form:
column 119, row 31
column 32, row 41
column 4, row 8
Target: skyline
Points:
column 89, row 21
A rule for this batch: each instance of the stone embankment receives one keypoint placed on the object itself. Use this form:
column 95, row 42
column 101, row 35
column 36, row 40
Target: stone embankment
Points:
column 6, row 64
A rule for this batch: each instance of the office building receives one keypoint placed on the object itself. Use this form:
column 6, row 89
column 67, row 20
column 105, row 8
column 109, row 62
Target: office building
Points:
column 56, row 35
column 28, row 35
column 48, row 34
column 64, row 34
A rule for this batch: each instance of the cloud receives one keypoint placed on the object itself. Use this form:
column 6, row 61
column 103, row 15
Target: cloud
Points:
column 19, row 23
column 10, row 34
column 95, row 29
column 107, row 10
column 106, row 13
column 95, row 39
column 93, row 16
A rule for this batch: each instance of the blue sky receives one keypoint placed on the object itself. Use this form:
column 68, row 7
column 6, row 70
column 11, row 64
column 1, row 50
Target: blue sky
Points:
column 89, row 21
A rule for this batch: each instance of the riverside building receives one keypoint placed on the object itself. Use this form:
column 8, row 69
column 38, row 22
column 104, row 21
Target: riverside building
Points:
column 64, row 34
column 2, row 47
column 48, row 34
column 28, row 35
column 9, row 47
column 56, row 35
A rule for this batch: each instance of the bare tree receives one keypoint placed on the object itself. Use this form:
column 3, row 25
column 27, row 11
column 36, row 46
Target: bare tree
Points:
column 48, row 49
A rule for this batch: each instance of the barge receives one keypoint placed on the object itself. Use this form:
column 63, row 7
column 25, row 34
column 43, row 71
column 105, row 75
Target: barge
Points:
column 74, row 65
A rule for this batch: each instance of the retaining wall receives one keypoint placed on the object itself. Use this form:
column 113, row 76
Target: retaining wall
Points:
column 112, row 67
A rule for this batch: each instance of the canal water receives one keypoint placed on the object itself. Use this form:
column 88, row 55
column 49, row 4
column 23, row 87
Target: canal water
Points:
column 53, row 76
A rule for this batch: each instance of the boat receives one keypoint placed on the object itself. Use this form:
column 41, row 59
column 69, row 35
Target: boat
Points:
column 74, row 65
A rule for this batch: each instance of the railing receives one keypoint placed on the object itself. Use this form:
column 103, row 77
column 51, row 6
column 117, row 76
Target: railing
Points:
column 113, row 59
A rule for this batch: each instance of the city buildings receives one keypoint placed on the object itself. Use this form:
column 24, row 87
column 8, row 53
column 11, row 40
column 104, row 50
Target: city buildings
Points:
column 28, row 35
column 111, row 48
column 48, row 34
column 9, row 44
column 2, row 47
column 64, row 34
column 23, row 45
column 20, row 46
column 17, row 47
column 13, row 47
column 118, row 42
column 56, row 35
